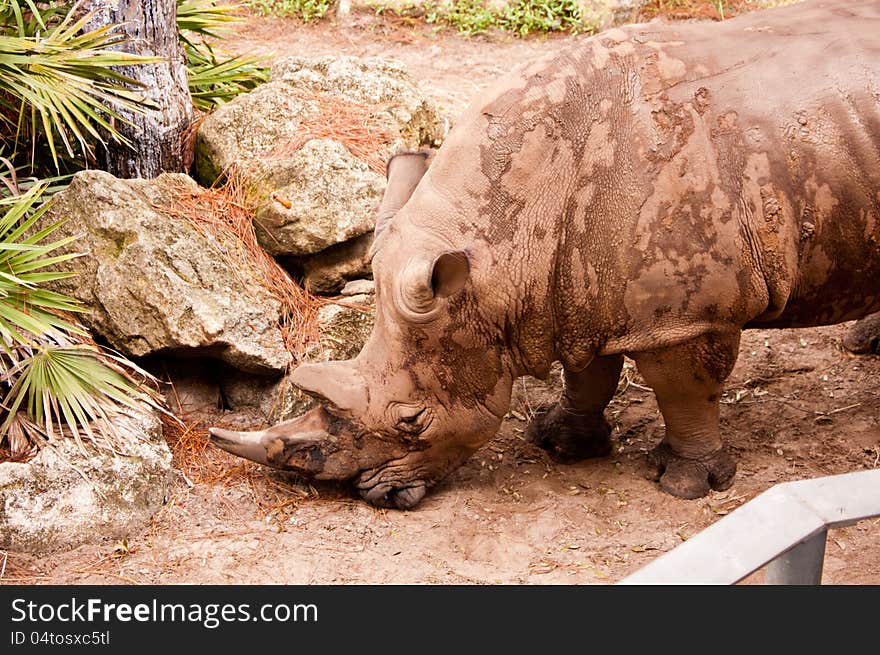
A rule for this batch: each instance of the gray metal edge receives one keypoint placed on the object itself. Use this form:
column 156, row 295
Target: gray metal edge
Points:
column 764, row 528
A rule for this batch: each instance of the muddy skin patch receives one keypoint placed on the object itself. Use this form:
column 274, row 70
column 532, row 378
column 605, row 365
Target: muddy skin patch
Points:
column 307, row 459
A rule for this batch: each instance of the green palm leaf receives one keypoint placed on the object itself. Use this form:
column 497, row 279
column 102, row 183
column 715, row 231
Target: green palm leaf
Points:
column 61, row 85
column 205, row 18
column 213, row 82
column 55, row 381
column 212, row 79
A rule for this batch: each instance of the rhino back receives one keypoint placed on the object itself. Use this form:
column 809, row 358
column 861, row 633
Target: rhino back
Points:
column 789, row 102
column 656, row 182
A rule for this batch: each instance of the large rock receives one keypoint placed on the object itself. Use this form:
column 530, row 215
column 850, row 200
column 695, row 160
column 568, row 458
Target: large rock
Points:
column 318, row 197
column 383, row 84
column 257, row 125
column 249, row 127
column 344, row 326
column 61, row 498
column 153, row 283
column 601, row 14
column 290, row 141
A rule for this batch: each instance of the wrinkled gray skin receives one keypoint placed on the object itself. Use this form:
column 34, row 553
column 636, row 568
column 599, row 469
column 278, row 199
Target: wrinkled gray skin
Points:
column 648, row 192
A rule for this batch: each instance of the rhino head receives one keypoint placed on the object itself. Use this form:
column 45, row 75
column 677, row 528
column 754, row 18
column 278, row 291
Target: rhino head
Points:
column 432, row 382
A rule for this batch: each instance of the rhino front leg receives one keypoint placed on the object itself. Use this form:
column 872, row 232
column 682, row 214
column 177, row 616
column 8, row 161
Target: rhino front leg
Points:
column 687, row 381
column 575, row 428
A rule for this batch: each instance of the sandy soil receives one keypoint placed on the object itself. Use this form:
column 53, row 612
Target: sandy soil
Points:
column 796, row 407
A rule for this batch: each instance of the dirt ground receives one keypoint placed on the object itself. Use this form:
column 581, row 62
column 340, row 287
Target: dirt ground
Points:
column 796, row 406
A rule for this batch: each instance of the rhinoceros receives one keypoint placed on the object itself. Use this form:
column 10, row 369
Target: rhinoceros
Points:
column 649, row 191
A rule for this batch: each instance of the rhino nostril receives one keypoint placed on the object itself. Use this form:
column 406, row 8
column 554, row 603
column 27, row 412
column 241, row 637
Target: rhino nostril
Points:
column 874, row 345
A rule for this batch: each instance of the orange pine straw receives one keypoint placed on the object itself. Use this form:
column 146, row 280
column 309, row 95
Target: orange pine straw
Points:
column 202, row 463
column 354, row 125
column 224, row 215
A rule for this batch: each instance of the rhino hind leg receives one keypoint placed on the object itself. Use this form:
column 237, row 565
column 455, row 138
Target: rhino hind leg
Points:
column 687, row 380
column 575, row 428
column 864, row 337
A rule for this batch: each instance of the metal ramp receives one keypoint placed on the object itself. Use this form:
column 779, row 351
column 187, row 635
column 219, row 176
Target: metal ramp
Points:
column 784, row 527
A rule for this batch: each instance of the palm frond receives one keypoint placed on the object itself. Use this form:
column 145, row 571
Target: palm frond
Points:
column 64, row 86
column 24, row 306
column 205, row 17
column 214, row 79
column 54, row 381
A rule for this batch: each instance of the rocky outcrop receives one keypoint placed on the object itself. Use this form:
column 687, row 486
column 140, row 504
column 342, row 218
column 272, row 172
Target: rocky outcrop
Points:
column 153, row 283
column 258, row 124
column 357, row 287
column 318, row 197
column 327, row 271
column 62, row 498
column 601, row 14
column 311, row 144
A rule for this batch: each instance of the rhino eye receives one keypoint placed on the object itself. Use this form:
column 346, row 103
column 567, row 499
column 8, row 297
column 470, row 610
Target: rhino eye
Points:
column 412, row 420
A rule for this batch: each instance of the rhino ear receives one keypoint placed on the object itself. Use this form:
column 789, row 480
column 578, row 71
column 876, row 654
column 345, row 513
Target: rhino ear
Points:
column 426, row 280
column 404, row 171
column 450, row 272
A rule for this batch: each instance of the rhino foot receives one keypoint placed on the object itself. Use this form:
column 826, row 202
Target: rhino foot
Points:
column 691, row 478
column 864, row 337
column 569, row 436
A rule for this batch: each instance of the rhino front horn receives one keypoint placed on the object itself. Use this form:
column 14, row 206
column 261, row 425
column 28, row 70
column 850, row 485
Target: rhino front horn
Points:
column 289, row 446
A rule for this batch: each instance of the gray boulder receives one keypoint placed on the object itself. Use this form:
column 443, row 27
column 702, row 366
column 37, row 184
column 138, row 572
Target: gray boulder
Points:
column 251, row 126
column 278, row 114
column 602, row 14
column 327, row 271
column 153, row 283
column 314, row 192
column 383, row 84
column 357, row 287
column 319, row 196
column 61, row 498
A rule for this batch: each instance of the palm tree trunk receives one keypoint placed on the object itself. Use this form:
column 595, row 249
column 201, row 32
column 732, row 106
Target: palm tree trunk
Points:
column 157, row 135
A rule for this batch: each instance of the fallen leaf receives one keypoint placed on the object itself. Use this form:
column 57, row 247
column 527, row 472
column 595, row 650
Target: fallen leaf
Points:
column 542, row 568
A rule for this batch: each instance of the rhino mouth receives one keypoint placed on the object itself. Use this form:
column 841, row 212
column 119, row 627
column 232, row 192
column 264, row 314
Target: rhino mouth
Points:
column 392, row 485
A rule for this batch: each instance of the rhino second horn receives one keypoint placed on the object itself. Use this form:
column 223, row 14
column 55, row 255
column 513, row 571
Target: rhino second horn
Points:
column 404, row 171
column 337, row 383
